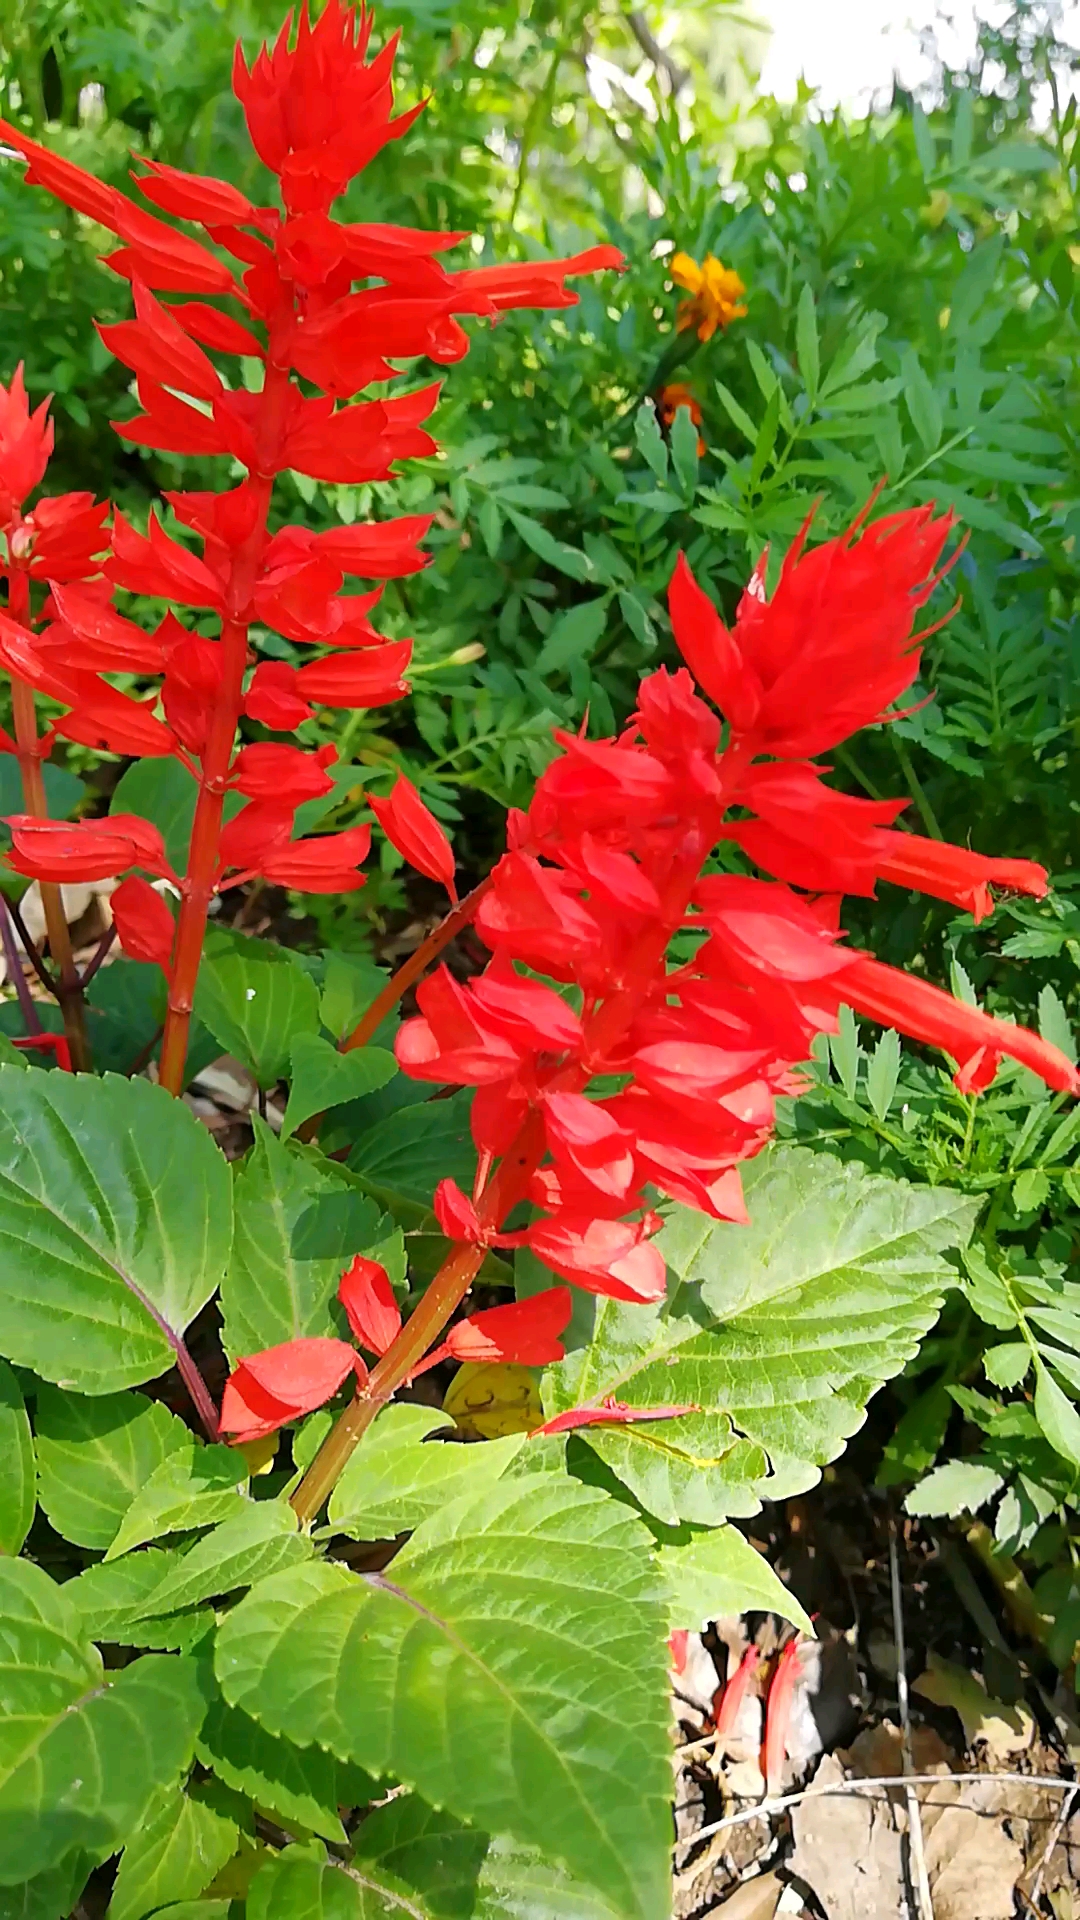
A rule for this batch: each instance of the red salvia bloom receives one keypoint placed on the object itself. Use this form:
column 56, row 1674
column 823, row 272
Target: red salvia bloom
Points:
column 280, row 1384
column 608, row 865
column 318, row 300
column 370, row 1307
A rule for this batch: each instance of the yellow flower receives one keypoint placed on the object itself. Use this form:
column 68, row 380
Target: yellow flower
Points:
column 716, row 294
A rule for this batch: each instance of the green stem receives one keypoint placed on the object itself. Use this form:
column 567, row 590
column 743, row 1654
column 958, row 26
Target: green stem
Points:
column 918, row 792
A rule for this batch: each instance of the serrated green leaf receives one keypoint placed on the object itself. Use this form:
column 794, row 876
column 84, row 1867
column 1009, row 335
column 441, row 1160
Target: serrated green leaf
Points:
column 957, row 1487
column 783, row 1329
column 1005, row 1366
column 806, row 343
column 96, row 1454
column 257, row 1004
column 260, row 1539
column 650, row 440
column 736, row 413
column 350, row 983
column 287, row 1254
column 456, row 1872
column 82, row 1752
column 1056, row 1415
column 456, row 1674
column 573, row 635
column 1030, row 1190
column 556, row 553
column 684, row 450
column 410, row 1151
column 883, row 1072
column 177, row 1853
column 720, row 1573
column 195, row 1486
column 922, row 402
column 298, row 1885
column 1054, row 1023
column 846, row 1053
column 399, row 1478
column 18, row 1495
column 322, row 1077
column 115, row 1220
column 303, row 1786
column 111, row 1598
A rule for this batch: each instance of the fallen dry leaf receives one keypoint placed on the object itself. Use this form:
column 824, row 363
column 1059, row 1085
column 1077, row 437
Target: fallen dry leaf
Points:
column 487, row 1402
column 756, row 1899
column 1006, row 1730
column 849, row 1851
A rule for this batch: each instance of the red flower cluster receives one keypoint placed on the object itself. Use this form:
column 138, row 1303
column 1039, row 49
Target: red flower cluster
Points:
column 283, row 1383
column 328, row 303
column 647, row 1074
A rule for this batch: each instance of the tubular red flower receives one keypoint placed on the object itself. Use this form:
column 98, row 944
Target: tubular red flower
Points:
column 524, row 1334
column 370, row 1307
column 414, row 831
column 280, row 1384
column 926, row 1013
column 144, row 926
column 955, row 873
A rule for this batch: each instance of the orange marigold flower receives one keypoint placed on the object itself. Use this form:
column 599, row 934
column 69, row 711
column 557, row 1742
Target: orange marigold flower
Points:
column 668, row 401
column 715, row 294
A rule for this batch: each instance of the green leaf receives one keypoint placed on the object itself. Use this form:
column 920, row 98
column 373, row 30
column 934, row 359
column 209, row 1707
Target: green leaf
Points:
column 18, row 1494
column 259, row 1539
column 82, row 1752
column 1030, row 1190
column 115, row 1220
column 322, row 1077
column 918, row 1436
column 257, row 1003
column 63, row 791
column 95, row 1455
column 925, row 145
column 350, row 983
column 1054, row 1023
column 1056, row 1415
column 556, row 553
column 882, row 1073
column 164, row 792
column 297, row 1885
column 303, row 1786
column 195, row 1486
column 779, row 1331
column 10, row 1055
column 650, row 440
column 806, row 343
column 399, row 1478
column 736, row 413
column 720, row 1573
column 573, row 635
column 846, row 1052
column 182, row 1847
column 456, row 1673
column 111, row 1597
column 288, row 1253
column 410, row 1151
column 1005, row 1366
column 684, row 450
column 458, row 1873
column 922, row 402
column 954, row 1487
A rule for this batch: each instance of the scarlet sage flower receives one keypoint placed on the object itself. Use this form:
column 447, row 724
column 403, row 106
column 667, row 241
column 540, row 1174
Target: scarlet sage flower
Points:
column 268, row 1389
column 650, row 1075
column 327, row 306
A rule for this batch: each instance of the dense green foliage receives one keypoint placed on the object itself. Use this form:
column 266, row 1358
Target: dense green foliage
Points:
column 912, row 325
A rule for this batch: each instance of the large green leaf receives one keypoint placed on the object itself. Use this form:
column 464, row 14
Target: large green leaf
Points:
column 112, row 1599
column 298, row 1223
column 196, row 1486
column 720, row 1573
column 511, row 1669
column 82, row 1752
column 408, row 1152
column 398, row 1478
column 18, row 1496
column 778, row 1332
column 302, row 1884
column 95, row 1455
column 304, row 1786
column 162, row 790
column 322, row 1077
column 182, row 1847
column 257, row 1002
column 115, row 1221
column 64, row 791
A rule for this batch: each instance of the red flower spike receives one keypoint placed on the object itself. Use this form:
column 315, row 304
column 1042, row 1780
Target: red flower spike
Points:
column 731, row 1697
column 415, row 832
column 370, row 1307
column 778, row 1717
column 144, row 925
column 610, row 1413
column 26, row 443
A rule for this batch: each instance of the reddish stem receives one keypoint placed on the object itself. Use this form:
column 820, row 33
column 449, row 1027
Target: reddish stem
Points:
column 414, row 966
column 24, row 714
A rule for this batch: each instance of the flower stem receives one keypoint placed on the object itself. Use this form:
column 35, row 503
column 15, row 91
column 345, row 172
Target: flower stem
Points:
column 414, row 966
column 424, row 1325
column 68, row 987
column 31, row 1017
